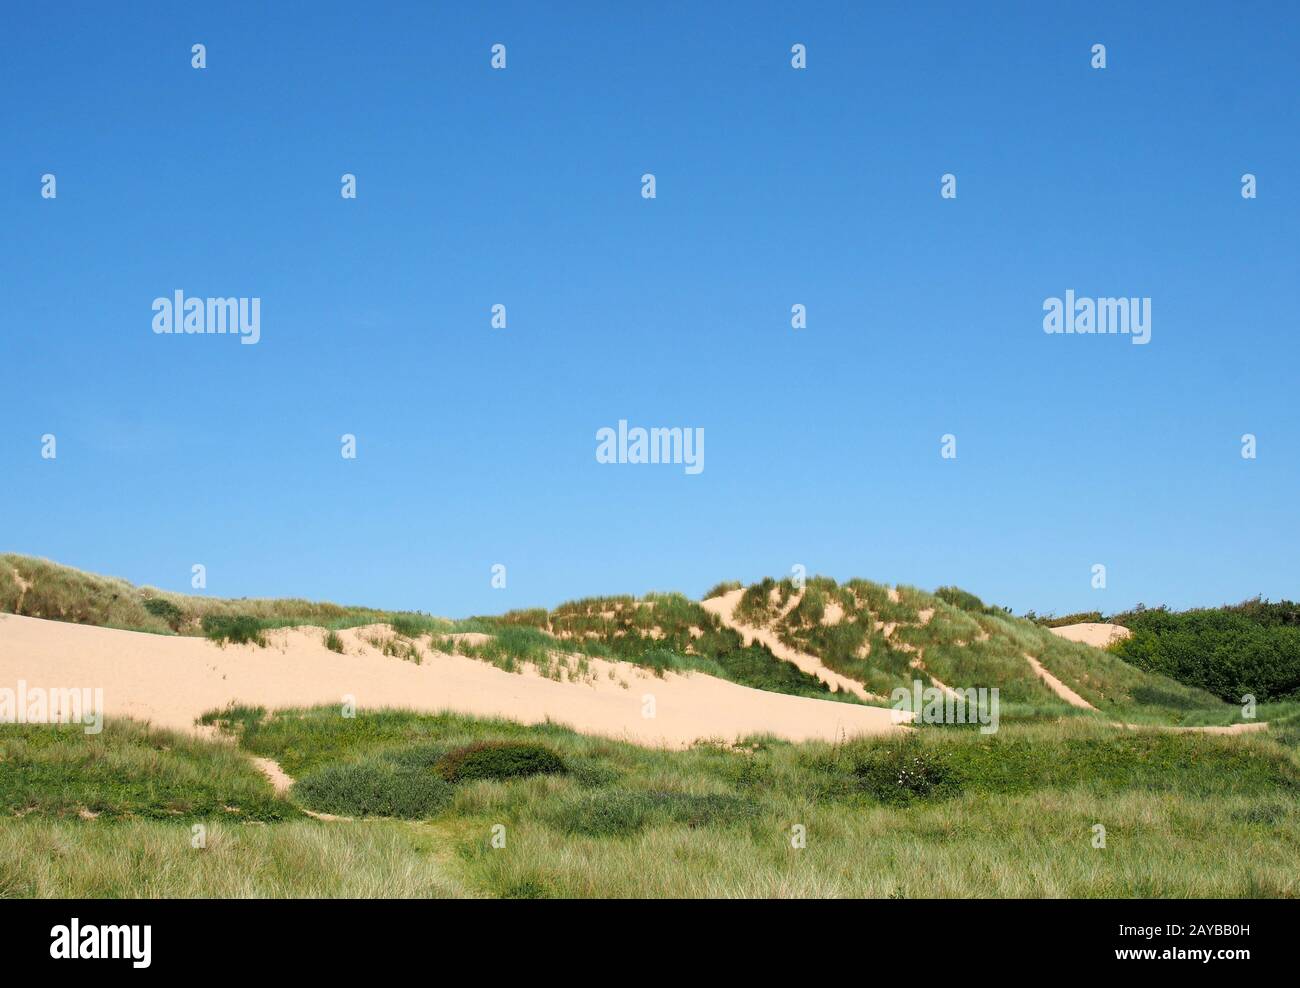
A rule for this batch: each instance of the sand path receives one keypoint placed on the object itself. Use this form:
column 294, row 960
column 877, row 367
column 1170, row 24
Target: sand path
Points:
column 1058, row 687
column 170, row 680
column 1075, row 700
column 1243, row 728
column 725, row 608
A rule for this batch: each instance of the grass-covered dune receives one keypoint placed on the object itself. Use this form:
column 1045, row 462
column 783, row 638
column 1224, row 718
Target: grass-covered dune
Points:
column 879, row 636
column 448, row 805
column 43, row 589
column 662, row 631
column 886, row 637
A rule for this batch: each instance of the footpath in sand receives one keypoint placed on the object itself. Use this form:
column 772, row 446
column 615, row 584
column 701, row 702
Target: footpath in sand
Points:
column 171, row 680
column 724, row 607
column 1056, row 686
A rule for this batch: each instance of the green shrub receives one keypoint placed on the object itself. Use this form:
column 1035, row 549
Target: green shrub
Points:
column 1250, row 649
column 375, row 787
column 238, row 628
column 901, row 772
column 333, row 642
column 162, row 608
column 498, row 760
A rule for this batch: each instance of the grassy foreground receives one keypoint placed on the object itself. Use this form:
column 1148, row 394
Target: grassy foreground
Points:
column 493, row 808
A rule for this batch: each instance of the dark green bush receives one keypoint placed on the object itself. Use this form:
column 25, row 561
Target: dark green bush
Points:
column 498, row 760
column 238, row 628
column 333, row 642
column 161, row 608
column 1231, row 652
column 374, row 788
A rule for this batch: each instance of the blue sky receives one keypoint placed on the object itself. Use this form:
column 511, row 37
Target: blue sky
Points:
column 774, row 186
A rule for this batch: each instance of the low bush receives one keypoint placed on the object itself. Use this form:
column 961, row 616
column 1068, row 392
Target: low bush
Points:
column 498, row 760
column 899, row 773
column 1231, row 652
column 237, row 628
column 160, row 607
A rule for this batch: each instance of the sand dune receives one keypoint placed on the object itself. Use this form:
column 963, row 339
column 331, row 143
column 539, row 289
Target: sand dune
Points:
column 724, row 606
column 169, row 681
column 1091, row 633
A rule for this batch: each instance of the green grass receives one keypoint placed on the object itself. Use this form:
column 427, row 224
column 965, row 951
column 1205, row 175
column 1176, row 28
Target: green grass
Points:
column 49, row 859
column 374, row 787
column 943, row 812
column 129, row 771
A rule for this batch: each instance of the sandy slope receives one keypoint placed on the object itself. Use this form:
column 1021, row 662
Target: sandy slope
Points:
column 724, row 606
column 1091, row 633
column 171, row 680
column 1058, row 687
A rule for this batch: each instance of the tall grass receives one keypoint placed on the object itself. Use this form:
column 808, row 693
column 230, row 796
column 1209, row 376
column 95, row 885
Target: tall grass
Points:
column 129, row 771
column 944, row 813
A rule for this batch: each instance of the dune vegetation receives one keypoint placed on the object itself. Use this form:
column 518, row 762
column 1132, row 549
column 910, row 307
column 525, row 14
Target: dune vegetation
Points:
column 1107, row 794
column 419, row 805
column 1249, row 648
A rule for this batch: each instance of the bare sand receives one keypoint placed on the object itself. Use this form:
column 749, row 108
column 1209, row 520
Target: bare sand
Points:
column 169, row 681
column 1092, row 633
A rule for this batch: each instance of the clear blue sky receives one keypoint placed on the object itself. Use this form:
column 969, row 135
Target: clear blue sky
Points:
column 775, row 186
